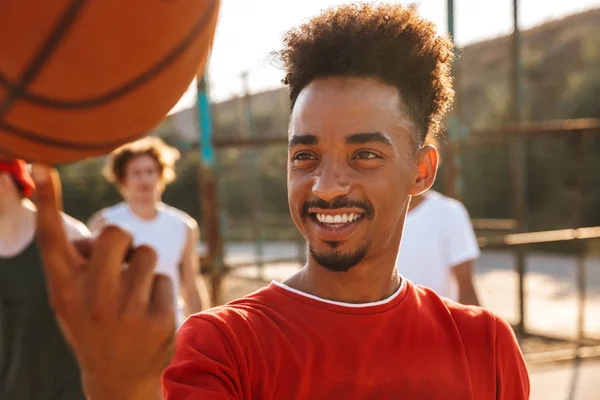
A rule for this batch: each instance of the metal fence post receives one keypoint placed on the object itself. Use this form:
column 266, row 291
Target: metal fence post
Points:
column 210, row 205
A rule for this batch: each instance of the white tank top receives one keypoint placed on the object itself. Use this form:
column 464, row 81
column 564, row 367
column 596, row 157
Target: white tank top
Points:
column 166, row 233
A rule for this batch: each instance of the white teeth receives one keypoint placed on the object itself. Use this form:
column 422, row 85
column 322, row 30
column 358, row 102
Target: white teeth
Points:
column 338, row 218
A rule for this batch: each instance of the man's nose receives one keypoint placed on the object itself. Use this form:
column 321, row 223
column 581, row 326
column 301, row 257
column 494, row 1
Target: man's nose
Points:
column 331, row 183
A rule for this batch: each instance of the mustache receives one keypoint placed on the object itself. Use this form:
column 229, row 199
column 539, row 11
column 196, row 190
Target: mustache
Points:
column 338, row 202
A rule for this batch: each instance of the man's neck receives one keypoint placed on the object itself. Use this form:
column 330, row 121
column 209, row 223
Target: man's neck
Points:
column 372, row 280
column 144, row 209
column 17, row 225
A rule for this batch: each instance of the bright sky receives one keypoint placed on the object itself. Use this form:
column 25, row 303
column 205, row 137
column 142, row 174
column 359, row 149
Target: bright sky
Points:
column 249, row 29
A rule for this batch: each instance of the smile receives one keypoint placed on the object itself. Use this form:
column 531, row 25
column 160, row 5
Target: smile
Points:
column 336, row 225
column 336, row 219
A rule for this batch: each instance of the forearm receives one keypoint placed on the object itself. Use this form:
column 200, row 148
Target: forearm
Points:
column 193, row 300
column 468, row 297
column 463, row 274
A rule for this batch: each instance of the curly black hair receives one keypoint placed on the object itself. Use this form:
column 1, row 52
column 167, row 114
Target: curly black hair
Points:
column 388, row 42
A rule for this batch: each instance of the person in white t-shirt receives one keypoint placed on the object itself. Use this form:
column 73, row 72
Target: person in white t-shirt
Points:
column 439, row 246
column 141, row 170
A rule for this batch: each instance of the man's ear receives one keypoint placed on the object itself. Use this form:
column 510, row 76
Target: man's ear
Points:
column 426, row 164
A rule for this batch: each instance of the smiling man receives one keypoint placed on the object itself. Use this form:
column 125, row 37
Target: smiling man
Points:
column 367, row 84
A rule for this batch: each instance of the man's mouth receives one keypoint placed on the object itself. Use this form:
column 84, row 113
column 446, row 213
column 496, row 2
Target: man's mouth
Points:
column 336, row 225
column 336, row 219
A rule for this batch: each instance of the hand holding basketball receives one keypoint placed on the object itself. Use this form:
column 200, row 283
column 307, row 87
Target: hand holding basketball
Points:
column 121, row 325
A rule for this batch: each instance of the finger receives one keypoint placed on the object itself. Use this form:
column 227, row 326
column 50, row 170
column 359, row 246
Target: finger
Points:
column 83, row 247
column 138, row 279
column 162, row 309
column 163, row 299
column 52, row 238
column 109, row 252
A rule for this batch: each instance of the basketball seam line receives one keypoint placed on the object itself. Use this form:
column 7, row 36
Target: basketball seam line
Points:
column 17, row 91
column 142, row 78
column 16, row 131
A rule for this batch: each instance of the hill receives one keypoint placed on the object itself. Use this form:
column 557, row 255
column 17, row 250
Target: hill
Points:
column 561, row 63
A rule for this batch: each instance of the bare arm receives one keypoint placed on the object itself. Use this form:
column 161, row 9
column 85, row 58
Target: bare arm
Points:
column 75, row 229
column 192, row 286
column 463, row 273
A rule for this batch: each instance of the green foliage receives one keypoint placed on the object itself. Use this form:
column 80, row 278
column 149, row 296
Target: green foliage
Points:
column 486, row 176
column 85, row 190
column 184, row 193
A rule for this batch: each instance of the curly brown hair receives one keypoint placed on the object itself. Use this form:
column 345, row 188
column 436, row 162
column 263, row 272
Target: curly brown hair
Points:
column 165, row 156
column 388, row 42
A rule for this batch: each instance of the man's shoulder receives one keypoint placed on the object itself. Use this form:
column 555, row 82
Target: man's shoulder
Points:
column 235, row 326
column 469, row 320
column 490, row 342
column 480, row 328
column 485, row 339
column 237, row 314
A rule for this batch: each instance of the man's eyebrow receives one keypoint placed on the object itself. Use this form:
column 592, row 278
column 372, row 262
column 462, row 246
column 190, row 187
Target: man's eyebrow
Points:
column 306, row 140
column 366, row 137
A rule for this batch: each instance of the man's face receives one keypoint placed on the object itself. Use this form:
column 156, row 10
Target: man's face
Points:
column 142, row 179
column 352, row 166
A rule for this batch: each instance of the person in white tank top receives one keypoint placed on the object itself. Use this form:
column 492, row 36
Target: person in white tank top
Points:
column 141, row 170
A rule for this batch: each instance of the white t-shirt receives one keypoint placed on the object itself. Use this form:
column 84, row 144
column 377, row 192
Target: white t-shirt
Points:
column 438, row 235
column 167, row 233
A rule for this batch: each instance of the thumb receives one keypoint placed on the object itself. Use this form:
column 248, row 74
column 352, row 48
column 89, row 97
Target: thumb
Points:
column 48, row 189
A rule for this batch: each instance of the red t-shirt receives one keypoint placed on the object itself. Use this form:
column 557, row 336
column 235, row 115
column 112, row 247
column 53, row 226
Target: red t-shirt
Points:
column 281, row 344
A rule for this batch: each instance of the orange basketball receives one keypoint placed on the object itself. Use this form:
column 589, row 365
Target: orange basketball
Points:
column 80, row 77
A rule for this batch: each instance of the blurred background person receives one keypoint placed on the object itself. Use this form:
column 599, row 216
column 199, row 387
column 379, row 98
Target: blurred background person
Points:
column 35, row 361
column 439, row 245
column 141, row 170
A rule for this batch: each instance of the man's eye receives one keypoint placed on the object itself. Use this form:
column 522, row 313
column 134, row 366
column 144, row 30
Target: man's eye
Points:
column 365, row 155
column 303, row 157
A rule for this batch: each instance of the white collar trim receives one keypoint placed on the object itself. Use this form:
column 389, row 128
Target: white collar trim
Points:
column 342, row 304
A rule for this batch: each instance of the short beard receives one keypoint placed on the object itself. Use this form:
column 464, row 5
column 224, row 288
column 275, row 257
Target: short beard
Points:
column 337, row 261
